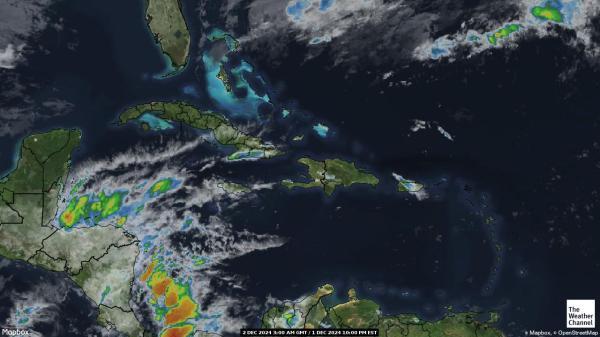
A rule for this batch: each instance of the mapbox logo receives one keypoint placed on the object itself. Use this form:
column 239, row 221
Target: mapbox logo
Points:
column 581, row 314
column 14, row 332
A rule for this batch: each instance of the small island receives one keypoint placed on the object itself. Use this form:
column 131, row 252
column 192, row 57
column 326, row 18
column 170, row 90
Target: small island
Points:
column 331, row 173
column 321, row 129
column 167, row 24
column 224, row 77
column 407, row 185
column 247, row 147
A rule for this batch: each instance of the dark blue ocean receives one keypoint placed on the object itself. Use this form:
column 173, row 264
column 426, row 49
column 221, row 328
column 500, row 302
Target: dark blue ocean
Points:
column 525, row 155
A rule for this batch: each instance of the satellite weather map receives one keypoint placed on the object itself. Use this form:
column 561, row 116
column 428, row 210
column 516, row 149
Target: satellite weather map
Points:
column 338, row 168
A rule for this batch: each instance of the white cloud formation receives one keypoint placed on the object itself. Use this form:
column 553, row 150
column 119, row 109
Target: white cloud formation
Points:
column 9, row 56
column 175, row 223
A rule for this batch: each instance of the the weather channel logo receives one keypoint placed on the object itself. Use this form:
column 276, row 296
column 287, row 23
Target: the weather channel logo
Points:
column 581, row 314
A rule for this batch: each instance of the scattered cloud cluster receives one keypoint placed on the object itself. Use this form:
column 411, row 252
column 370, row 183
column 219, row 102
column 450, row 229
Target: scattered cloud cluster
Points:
column 176, row 221
column 19, row 20
column 20, row 25
column 35, row 303
column 371, row 33
column 20, row 109
column 575, row 15
column 9, row 56
column 355, row 31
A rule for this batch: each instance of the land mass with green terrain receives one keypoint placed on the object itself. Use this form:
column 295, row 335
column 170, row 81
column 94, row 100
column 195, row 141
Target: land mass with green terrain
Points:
column 225, row 133
column 311, row 313
column 331, row 173
column 167, row 24
column 98, row 259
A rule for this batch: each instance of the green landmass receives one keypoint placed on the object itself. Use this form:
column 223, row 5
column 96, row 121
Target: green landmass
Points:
column 233, row 188
column 29, row 194
column 308, row 312
column 503, row 33
column 223, row 77
column 71, row 248
column 331, row 173
column 113, row 271
column 101, row 263
column 167, row 24
column 99, row 259
column 311, row 312
column 223, row 130
column 547, row 12
column 355, row 313
column 407, row 185
column 120, row 320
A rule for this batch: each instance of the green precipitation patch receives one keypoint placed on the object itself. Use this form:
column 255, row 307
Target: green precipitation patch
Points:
column 160, row 187
column 331, row 173
column 167, row 24
column 96, row 258
column 311, row 312
column 224, row 131
column 503, row 33
column 547, row 13
column 96, row 208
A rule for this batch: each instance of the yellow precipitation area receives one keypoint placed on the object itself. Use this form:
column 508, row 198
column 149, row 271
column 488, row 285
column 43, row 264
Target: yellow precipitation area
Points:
column 159, row 283
column 180, row 305
column 148, row 271
column 172, row 296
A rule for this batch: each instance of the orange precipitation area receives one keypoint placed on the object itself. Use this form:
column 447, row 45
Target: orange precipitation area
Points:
column 179, row 331
column 148, row 272
column 172, row 298
column 160, row 284
column 177, row 299
column 186, row 309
